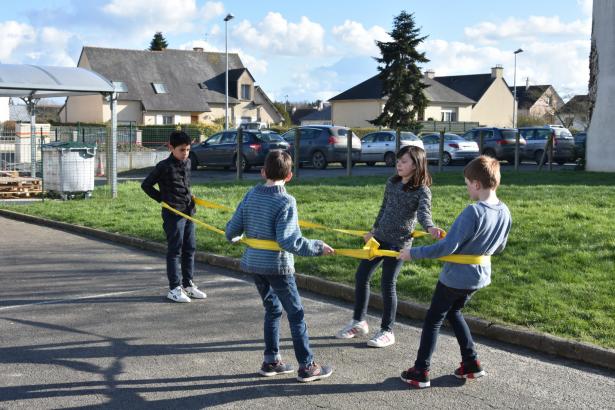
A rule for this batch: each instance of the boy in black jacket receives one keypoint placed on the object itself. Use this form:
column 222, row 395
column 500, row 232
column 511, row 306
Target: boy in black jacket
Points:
column 173, row 178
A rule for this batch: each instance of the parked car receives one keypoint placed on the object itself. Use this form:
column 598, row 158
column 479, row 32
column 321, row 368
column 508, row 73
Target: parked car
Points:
column 322, row 144
column 221, row 149
column 380, row 146
column 497, row 142
column 537, row 138
column 456, row 148
column 253, row 125
column 580, row 140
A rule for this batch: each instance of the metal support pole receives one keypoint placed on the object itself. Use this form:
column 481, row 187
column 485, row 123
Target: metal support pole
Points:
column 31, row 108
column 239, row 154
column 440, row 150
column 349, row 153
column 297, row 143
column 113, row 157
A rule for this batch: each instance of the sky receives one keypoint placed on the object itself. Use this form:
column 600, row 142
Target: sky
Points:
column 303, row 51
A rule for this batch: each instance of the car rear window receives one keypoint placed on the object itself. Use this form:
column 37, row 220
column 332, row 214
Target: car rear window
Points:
column 508, row 134
column 562, row 133
column 408, row 136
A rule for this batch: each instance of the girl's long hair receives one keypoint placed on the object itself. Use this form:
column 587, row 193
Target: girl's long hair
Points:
column 421, row 176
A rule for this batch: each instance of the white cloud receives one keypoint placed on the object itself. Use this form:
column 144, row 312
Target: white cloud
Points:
column 488, row 32
column 14, row 35
column 357, row 40
column 149, row 16
column 198, row 43
column 212, row 9
column 255, row 65
column 275, row 35
column 586, row 7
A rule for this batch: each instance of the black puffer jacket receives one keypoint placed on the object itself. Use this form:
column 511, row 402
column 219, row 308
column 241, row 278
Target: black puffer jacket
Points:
column 173, row 179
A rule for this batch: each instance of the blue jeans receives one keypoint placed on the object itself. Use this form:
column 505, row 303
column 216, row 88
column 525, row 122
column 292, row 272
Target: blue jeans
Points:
column 280, row 292
column 181, row 245
column 388, row 284
column 446, row 303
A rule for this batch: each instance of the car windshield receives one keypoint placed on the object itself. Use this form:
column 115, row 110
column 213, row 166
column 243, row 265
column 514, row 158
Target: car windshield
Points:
column 342, row 132
column 563, row 133
column 270, row 136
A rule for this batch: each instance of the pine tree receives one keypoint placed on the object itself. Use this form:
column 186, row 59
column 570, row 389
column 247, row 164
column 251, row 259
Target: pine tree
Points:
column 158, row 43
column 401, row 76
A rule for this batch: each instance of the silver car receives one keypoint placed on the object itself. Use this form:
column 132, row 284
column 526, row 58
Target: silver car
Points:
column 380, row 146
column 456, row 148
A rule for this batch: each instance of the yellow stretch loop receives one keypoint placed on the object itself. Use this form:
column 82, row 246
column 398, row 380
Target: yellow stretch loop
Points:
column 369, row 251
column 304, row 224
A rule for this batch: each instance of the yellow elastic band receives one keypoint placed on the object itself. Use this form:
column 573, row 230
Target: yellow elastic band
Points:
column 369, row 251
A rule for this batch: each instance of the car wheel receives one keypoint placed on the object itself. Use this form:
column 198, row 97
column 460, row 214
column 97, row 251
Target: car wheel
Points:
column 245, row 165
column 489, row 152
column 446, row 159
column 371, row 164
column 389, row 159
column 194, row 161
column 538, row 157
column 319, row 161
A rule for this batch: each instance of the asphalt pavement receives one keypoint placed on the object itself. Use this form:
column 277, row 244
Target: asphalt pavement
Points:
column 84, row 324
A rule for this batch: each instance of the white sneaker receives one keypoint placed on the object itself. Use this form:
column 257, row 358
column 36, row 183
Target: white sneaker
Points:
column 178, row 295
column 352, row 329
column 382, row 338
column 194, row 292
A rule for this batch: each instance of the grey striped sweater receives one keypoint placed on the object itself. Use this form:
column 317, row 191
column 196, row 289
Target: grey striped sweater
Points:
column 269, row 212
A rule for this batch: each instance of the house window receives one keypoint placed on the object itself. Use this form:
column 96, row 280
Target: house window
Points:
column 167, row 120
column 449, row 115
column 245, row 91
column 159, row 88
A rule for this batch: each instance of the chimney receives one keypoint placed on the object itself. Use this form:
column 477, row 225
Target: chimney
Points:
column 527, row 83
column 430, row 74
column 497, row 71
column 200, row 49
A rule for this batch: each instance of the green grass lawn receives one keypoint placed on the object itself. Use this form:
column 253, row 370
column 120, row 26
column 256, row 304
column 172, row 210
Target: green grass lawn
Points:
column 556, row 275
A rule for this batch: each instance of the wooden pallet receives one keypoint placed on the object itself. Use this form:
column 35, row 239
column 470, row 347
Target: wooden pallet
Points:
column 19, row 187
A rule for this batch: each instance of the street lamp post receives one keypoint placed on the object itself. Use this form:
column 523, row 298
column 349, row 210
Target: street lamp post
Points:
column 226, row 20
column 514, row 121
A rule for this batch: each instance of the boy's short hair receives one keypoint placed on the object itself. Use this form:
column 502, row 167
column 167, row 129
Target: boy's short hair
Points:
column 278, row 165
column 178, row 138
column 485, row 170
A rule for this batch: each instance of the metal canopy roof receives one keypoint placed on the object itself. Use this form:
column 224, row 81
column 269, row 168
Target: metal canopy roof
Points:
column 24, row 80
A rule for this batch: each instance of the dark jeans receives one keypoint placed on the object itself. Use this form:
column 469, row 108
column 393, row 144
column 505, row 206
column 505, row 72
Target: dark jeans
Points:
column 446, row 302
column 280, row 292
column 181, row 245
column 388, row 283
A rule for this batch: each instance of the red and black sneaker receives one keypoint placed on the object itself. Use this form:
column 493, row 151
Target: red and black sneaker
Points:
column 470, row 370
column 416, row 377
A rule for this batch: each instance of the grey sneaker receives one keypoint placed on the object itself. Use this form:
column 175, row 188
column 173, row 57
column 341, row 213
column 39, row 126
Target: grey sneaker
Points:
column 313, row 372
column 178, row 295
column 275, row 368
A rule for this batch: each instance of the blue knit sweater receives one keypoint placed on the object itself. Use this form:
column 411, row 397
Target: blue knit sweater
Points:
column 268, row 212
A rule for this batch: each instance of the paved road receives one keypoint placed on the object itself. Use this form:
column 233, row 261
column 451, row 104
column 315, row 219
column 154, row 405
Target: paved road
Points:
column 84, row 324
column 203, row 175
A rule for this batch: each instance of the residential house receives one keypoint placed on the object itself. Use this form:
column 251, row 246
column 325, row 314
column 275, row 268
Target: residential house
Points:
column 358, row 105
column 538, row 101
column 493, row 100
column 171, row 87
column 299, row 112
column 575, row 113
column 320, row 116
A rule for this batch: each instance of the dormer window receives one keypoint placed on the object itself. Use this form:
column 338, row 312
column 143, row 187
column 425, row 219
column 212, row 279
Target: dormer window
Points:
column 245, row 92
column 159, row 88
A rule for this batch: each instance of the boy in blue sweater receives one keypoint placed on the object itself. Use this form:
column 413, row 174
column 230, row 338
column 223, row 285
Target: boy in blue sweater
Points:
column 481, row 229
column 268, row 212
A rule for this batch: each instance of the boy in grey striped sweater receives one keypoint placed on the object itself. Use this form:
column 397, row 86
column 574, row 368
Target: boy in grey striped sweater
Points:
column 268, row 212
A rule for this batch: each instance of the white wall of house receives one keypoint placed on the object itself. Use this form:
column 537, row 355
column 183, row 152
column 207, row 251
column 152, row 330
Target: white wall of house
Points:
column 166, row 118
column 495, row 108
column 355, row 113
column 4, row 109
column 127, row 111
column 434, row 112
column 600, row 151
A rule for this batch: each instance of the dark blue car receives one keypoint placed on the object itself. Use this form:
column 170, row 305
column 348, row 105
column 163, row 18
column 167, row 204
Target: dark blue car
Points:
column 220, row 150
